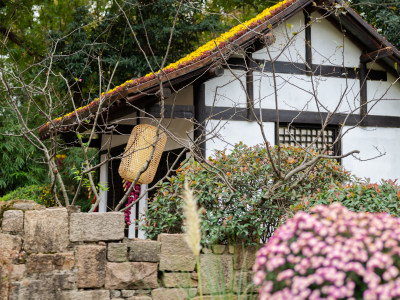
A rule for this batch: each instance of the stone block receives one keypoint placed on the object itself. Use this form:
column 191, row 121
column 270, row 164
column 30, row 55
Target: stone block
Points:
column 175, row 253
column 42, row 263
column 174, row 244
column 185, row 263
column 131, row 275
column 218, row 249
column 217, row 297
column 93, row 227
column 91, row 266
column 173, row 294
column 115, row 293
column 46, row 230
column 34, row 289
column 128, row 293
column 216, row 273
column 10, row 243
column 86, row 295
column 117, row 252
column 244, row 257
column 206, row 250
column 243, row 283
column 13, row 221
column 18, row 272
column 144, row 250
column 181, row 280
column 139, row 298
column 27, row 205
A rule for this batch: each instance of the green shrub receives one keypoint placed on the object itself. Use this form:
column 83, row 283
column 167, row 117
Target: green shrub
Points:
column 357, row 196
column 237, row 211
column 37, row 193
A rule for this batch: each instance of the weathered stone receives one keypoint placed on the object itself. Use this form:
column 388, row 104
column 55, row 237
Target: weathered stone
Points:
column 231, row 249
column 117, row 252
column 128, row 293
column 91, row 266
column 183, row 263
column 244, row 257
column 175, row 253
column 10, row 242
column 34, row 289
column 18, row 272
column 206, row 250
column 218, row 249
column 243, row 283
column 73, row 209
column 216, row 273
column 42, row 263
column 217, row 297
column 86, row 295
column 46, row 230
column 131, row 275
column 115, row 293
column 139, row 298
column 13, row 221
column 144, row 250
column 174, row 244
column 65, row 280
column 181, row 280
column 93, row 227
column 27, row 205
column 173, row 294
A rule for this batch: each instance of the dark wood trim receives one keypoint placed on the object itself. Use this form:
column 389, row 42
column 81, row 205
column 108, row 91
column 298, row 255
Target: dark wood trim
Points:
column 307, row 31
column 200, row 115
column 171, row 111
column 301, row 69
column 249, row 90
column 376, row 55
column 287, row 116
column 363, row 92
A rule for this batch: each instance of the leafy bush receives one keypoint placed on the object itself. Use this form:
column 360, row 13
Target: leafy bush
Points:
column 331, row 253
column 233, row 189
column 357, row 196
column 37, row 193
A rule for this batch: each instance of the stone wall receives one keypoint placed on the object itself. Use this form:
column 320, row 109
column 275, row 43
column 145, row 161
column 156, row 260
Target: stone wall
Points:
column 60, row 253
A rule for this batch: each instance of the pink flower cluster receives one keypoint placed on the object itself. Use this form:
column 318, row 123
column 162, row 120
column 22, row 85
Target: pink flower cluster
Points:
column 331, row 253
column 132, row 198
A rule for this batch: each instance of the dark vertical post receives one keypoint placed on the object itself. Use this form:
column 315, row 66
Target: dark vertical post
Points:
column 307, row 21
column 249, row 89
column 363, row 93
column 199, row 103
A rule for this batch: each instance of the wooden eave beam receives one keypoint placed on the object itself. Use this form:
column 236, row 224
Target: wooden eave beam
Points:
column 376, row 55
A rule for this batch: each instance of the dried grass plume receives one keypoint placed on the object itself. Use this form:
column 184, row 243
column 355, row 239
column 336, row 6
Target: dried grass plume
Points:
column 192, row 220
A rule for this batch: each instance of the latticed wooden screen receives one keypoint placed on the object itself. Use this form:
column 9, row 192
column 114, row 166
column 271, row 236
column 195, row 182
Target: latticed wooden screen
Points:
column 307, row 135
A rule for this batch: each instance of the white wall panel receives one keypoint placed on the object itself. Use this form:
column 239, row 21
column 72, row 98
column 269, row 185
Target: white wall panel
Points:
column 228, row 133
column 296, row 92
column 384, row 97
column 183, row 97
column 226, row 90
column 330, row 46
column 289, row 33
column 371, row 142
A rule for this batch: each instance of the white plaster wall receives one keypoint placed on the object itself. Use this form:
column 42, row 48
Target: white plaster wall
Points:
column 183, row 97
column 227, row 133
column 289, row 33
column 371, row 142
column 330, row 46
column 179, row 132
column 296, row 92
column 384, row 97
column 226, row 90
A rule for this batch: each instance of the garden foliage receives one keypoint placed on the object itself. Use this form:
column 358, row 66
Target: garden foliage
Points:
column 331, row 253
column 231, row 190
column 357, row 196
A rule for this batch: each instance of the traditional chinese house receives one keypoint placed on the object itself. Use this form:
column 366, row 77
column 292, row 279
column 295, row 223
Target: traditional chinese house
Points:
column 326, row 59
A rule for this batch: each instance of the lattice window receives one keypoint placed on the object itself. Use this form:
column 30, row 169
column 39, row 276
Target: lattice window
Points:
column 305, row 135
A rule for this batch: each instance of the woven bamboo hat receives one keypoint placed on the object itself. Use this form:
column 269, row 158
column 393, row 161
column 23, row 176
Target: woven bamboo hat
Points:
column 139, row 150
